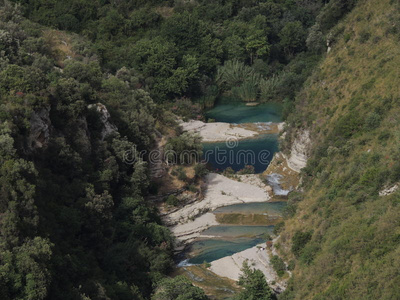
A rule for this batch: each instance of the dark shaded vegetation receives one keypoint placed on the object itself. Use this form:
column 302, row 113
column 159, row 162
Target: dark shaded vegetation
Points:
column 74, row 223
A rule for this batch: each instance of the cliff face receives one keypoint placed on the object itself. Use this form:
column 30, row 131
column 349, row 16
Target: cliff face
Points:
column 343, row 237
column 299, row 151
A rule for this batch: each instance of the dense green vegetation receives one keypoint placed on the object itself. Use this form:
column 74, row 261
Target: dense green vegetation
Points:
column 342, row 234
column 188, row 48
column 74, row 224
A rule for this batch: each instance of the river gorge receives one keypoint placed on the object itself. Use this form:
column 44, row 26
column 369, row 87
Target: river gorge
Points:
column 237, row 215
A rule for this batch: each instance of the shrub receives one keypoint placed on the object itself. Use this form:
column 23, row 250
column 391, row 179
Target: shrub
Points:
column 233, row 73
column 246, row 170
column 182, row 174
column 184, row 149
column 247, row 92
column 278, row 265
column 308, row 253
column 278, row 227
column 200, row 170
column 372, row 121
column 299, row 240
column 291, row 265
column 268, row 88
column 228, row 171
column 192, row 188
column 316, row 40
column 364, row 37
column 172, row 200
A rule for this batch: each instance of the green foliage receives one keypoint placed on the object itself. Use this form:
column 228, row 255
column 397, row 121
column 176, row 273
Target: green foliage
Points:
column 254, row 284
column 248, row 91
column 71, row 200
column 292, row 37
column 185, row 149
column 248, row 169
column 333, row 12
column 268, row 88
column 278, row 265
column 178, row 288
column 234, row 73
column 299, row 241
column 172, row 200
column 316, row 40
column 372, row 121
column 308, row 253
column 200, row 170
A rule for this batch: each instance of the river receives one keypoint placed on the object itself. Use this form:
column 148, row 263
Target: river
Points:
column 227, row 239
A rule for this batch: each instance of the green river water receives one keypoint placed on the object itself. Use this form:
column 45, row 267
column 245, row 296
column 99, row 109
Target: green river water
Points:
column 225, row 240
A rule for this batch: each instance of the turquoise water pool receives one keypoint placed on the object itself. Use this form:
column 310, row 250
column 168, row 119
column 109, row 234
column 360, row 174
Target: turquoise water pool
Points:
column 232, row 239
column 232, row 111
column 257, row 152
column 270, row 208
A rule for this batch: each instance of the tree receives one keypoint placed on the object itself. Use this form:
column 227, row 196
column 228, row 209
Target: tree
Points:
column 178, row 288
column 254, row 283
column 292, row 37
column 257, row 45
column 185, row 149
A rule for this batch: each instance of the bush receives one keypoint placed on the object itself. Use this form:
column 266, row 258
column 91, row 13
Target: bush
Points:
column 246, row 170
column 299, row 240
column 268, row 88
column 372, row 121
column 178, row 288
column 247, row 92
column 278, row 227
column 200, row 170
column 184, row 149
column 364, row 37
column 181, row 174
column 291, row 265
column 192, row 188
column 172, row 200
column 228, row 172
column 308, row 254
column 278, row 265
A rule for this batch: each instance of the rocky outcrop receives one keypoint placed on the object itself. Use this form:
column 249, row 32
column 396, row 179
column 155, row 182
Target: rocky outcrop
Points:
column 388, row 191
column 108, row 127
column 40, row 125
column 299, row 152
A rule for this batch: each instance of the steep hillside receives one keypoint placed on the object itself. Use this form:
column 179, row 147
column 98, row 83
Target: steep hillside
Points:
column 342, row 237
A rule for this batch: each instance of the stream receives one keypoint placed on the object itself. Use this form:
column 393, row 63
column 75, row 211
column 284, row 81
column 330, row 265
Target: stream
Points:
column 227, row 239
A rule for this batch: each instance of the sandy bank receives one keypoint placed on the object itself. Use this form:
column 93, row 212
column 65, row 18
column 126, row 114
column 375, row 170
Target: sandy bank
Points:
column 216, row 132
column 190, row 220
column 258, row 258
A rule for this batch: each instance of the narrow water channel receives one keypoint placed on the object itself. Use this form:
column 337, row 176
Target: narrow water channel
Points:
column 227, row 239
